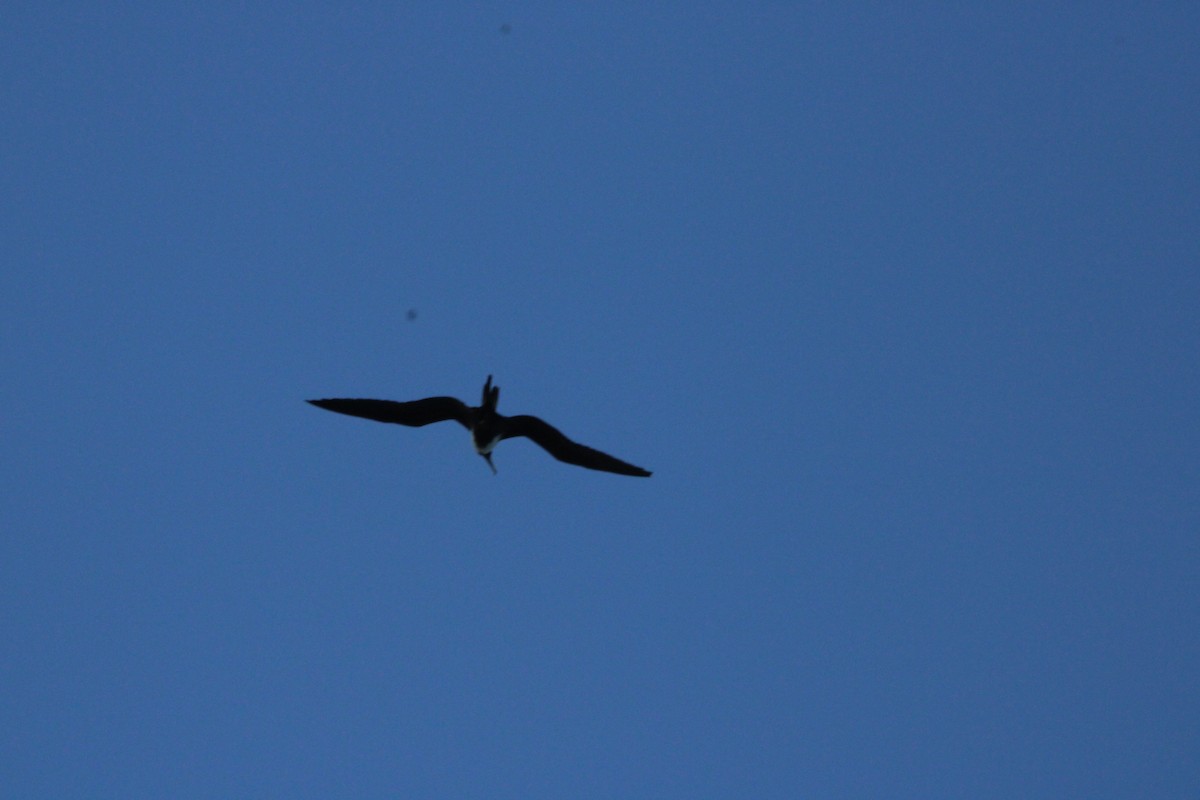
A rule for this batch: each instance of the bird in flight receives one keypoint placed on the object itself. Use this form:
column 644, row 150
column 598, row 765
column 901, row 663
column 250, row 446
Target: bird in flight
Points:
column 487, row 427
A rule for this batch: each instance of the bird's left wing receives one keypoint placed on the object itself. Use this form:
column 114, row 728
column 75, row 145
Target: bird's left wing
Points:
column 414, row 413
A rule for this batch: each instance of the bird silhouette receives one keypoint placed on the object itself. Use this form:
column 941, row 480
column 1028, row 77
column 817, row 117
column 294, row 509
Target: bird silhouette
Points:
column 488, row 428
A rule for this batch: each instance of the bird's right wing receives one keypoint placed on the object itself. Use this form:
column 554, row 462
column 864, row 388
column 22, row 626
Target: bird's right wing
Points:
column 414, row 413
column 555, row 442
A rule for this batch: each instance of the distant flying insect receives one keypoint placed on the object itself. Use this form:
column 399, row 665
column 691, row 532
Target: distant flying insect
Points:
column 486, row 426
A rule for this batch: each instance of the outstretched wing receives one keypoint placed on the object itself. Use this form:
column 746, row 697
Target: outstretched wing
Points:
column 556, row 444
column 414, row 413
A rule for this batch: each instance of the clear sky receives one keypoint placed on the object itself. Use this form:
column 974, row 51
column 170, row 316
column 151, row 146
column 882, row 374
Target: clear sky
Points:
column 900, row 303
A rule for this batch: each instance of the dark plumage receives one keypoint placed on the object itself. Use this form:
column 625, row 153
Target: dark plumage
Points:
column 487, row 427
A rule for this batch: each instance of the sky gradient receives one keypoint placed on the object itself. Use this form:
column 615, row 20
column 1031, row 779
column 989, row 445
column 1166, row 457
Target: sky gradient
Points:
column 900, row 305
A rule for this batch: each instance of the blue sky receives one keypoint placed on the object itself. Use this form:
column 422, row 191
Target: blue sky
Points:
column 899, row 304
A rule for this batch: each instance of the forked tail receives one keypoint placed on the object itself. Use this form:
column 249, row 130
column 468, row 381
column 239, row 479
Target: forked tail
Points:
column 491, row 395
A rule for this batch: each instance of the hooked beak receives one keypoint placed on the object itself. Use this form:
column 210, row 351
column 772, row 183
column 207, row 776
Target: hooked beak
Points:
column 488, row 458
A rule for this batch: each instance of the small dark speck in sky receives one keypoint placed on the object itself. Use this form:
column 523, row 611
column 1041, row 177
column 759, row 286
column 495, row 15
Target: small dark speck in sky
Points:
column 506, row 28
column 411, row 315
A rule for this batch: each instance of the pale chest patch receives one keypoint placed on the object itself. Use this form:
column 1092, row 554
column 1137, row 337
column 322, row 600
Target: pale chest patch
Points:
column 485, row 448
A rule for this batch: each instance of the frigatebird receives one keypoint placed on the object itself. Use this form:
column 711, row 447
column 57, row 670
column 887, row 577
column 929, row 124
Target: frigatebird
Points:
column 487, row 427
